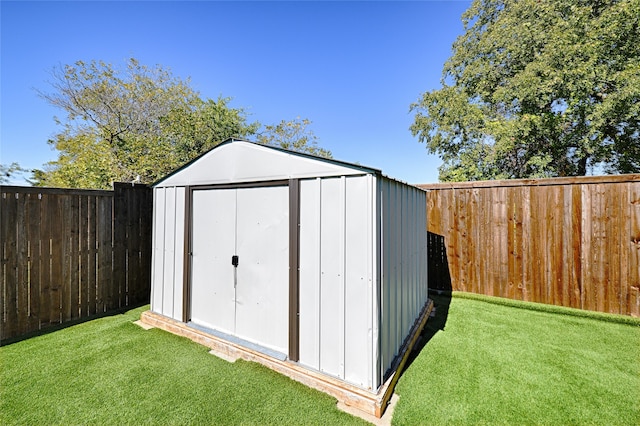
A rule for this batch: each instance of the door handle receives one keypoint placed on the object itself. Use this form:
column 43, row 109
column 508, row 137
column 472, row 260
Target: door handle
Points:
column 234, row 260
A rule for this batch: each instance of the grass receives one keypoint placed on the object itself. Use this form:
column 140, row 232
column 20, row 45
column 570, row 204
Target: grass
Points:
column 494, row 363
column 506, row 363
column 110, row 371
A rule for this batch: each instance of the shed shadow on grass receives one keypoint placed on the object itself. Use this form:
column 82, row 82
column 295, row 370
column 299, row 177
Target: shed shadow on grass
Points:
column 440, row 289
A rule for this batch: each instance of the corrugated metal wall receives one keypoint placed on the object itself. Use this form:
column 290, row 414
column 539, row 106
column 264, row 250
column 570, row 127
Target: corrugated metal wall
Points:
column 403, row 263
column 363, row 270
column 168, row 251
column 338, row 323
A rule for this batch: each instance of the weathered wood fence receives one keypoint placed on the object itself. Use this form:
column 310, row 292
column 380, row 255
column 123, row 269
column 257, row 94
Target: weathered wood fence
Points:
column 571, row 241
column 71, row 254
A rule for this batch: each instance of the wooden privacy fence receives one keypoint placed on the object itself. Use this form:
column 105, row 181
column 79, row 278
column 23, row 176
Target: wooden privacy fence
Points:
column 570, row 241
column 72, row 254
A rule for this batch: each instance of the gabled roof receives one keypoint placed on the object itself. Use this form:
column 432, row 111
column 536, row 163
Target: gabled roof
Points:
column 236, row 160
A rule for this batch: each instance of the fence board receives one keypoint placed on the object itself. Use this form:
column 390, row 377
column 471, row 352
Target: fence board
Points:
column 118, row 293
column 460, row 214
column 634, row 249
column 133, row 242
column 74, row 264
column 566, row 264
column 555, row 213
column 536, row 259
column 83, row 256
column 34, row 278
column 10, row 265
column 502, row 257
column 45, row 262
column 105, row 252
column 64, row 258
column 65, row 285
column 599, row 247
column 22, row 267
column 92, row 254
column 571, row 242
column 614, row 216
column 527, row 237
column 57, row 258
column 482, row 240
column 585, row 296
column 576, row 247
column 146, row 246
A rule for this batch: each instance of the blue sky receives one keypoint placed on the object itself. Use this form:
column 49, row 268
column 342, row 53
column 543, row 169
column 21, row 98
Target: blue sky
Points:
column 352, row 68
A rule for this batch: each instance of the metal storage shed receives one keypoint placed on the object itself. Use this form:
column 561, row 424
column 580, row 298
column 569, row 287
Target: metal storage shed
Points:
column 314, row 267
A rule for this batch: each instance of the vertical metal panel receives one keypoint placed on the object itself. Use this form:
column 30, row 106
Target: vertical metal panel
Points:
column 385, row 262
column 169, row 252
column 212, row 275
column 331, row 278
column 405, row 264
column 404, row 277
column 167, row 256
column 179, row 254
column 376, row 279
column 372, row 284
column 310, row 272
column 393, row 236
column 423, row 247
column 262, row 292
column 358, row 304
column 157, row 271
column 338, row 291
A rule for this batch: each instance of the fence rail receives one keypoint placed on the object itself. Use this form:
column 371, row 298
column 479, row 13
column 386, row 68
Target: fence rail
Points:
column 572, row 242
column 71, row 254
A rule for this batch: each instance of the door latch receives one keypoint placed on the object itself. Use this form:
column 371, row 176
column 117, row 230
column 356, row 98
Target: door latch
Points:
column 234, row 260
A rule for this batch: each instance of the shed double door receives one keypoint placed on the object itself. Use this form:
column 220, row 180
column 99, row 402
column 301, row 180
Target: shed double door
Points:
column 239, row 275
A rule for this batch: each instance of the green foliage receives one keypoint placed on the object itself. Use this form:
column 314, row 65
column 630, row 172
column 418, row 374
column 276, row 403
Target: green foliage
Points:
column 198, row 129
column 136, row 123
column 538, row 89
column 293, row 135
column 10, row 170
column 140, row 123
column 84, row 161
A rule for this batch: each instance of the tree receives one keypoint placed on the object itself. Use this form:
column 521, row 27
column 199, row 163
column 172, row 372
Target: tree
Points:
column 7, row 171
column 196, row 130
column 538, row 89
column 136, row 123
column 84, row 161
column 293, row 135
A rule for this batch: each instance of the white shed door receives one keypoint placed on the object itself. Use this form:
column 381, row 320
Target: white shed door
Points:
column 250, row 301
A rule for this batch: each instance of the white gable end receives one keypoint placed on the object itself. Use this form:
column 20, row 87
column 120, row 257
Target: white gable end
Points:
column 240, row 161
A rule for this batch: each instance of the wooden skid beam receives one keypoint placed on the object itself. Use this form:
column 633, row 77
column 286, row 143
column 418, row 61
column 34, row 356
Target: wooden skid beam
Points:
column 373, row 403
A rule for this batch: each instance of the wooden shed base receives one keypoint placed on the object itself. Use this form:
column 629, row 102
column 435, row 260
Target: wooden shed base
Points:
column 373, row 403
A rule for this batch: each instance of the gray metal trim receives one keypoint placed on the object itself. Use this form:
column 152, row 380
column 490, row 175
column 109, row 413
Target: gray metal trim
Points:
column 234, row 339
column 236, row 185
column 186, row 271
column 294, row 270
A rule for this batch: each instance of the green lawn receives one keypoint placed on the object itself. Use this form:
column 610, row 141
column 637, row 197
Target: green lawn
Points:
column 495, row 364
column 110, row 371
column 492, row 364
